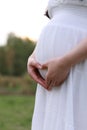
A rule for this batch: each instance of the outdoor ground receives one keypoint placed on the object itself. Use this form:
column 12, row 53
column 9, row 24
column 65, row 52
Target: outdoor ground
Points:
column 16, row 112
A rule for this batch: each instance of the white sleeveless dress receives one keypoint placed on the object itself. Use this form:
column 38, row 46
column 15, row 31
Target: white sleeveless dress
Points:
column 64, row 107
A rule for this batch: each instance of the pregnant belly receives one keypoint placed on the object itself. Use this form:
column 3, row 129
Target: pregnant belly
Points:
column 43, row 73
column 55, row 41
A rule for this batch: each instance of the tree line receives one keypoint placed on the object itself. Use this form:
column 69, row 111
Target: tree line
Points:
column 14, row 55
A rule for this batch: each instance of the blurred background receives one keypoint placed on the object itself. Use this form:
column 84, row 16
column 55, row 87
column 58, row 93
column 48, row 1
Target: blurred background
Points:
column 21, row 22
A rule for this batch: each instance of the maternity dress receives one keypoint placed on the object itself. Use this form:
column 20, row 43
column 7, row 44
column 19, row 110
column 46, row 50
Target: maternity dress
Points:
column 65, row 106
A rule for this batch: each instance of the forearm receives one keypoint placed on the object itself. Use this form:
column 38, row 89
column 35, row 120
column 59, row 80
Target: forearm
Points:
column 76, row 55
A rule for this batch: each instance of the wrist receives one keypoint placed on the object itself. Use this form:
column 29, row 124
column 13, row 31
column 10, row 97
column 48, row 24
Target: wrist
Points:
column 65, row 62
column 68, row 60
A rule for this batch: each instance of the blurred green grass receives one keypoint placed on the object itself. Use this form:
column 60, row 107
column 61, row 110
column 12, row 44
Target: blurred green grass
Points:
column 16, row 112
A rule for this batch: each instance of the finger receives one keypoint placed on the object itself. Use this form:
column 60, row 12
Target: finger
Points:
column 56, row 84
column 59, row 83
column 33, row 63
column 49, row 83
column 45, row 66
column 52, row 84
column 49, row 88
column 48, row 80
column 37, row 77
column 37, row 65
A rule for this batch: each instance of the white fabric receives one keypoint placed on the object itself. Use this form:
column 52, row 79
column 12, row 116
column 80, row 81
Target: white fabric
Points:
column 57, row 3
column 64, row 107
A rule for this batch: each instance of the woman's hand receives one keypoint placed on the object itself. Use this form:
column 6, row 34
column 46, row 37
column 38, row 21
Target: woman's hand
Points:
column 57, row 72
column 32, row 67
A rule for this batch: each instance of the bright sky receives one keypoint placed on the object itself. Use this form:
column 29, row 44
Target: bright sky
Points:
column 22, row 17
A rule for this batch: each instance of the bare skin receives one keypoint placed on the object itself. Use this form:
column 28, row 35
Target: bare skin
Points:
column 58, row 68
column 57, row 72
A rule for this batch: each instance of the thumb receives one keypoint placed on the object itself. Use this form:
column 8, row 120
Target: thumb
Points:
column 45, row 66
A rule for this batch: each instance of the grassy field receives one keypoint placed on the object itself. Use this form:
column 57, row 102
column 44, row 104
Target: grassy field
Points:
column 16, row 112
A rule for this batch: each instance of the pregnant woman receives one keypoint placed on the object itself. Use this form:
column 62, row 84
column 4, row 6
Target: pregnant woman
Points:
column 59, row 66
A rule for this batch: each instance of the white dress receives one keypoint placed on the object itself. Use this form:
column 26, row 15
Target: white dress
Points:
column 64, row 107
